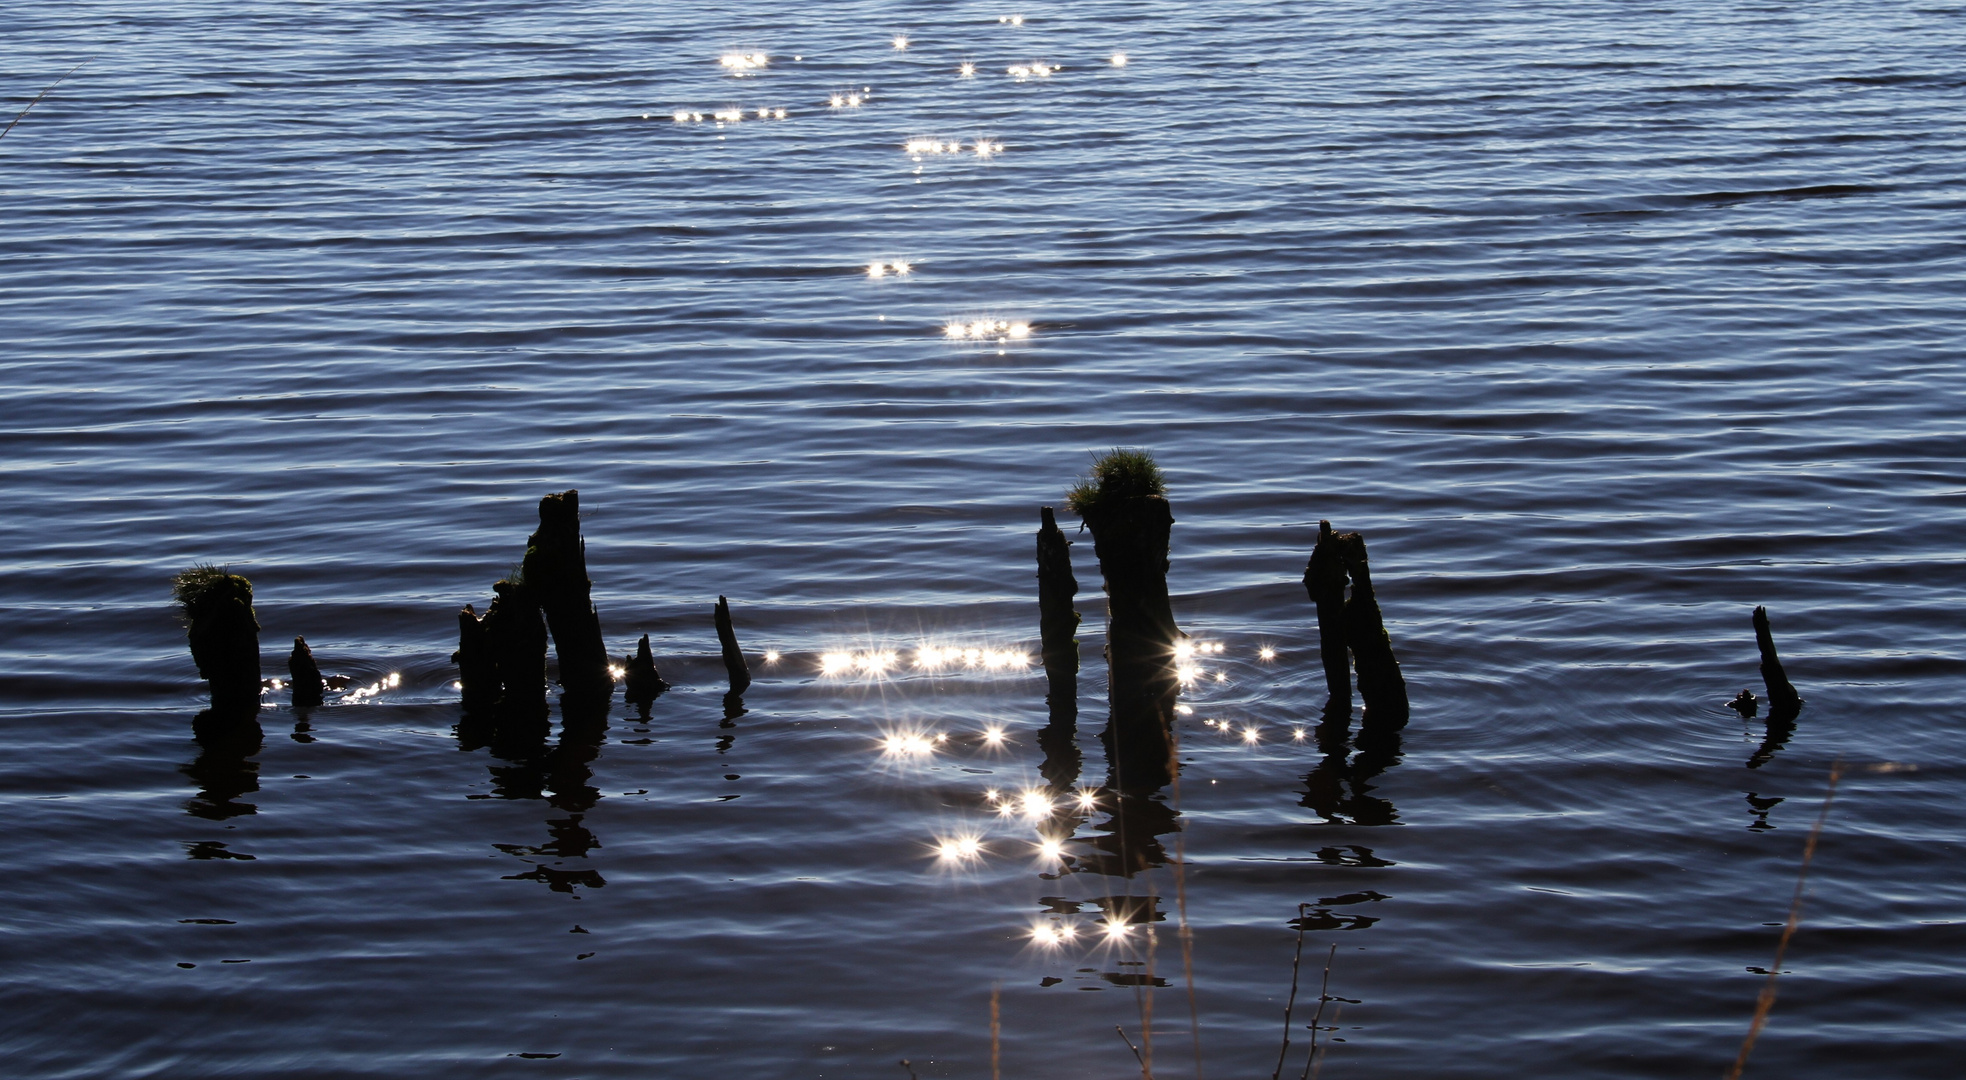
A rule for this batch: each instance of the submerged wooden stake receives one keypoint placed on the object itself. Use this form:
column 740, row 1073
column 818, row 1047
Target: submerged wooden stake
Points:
column 642, row 682
column 1324, row 580
column 218, row 611
column 1058, row 624
column 740, row 675
column 477, row 666
column 304, row 675
column 1124, row 506
column 556, row 571
column 516, row 634
column 1783, row 701
column 1380, row 684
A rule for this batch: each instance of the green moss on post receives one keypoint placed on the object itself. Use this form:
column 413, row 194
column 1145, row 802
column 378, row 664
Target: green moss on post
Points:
column 217, row 607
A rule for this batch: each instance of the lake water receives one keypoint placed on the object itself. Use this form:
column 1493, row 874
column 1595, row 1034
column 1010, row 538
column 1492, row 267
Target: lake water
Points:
column 1603, row 322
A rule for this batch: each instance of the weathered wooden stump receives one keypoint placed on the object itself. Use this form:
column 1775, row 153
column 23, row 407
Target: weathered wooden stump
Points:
column 642, row 682
column 304, row 675
column 1124, row 505
column 477, row 664
column 556, row 572
column 740, row 675
column 218, row 610
column 516, row 634
column 1324, row 580
column 1380, row 684
column 1783, row 701
column 1058, row 624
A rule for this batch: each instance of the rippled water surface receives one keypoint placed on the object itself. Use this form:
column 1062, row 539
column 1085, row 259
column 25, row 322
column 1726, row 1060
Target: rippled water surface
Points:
column 1603, row 322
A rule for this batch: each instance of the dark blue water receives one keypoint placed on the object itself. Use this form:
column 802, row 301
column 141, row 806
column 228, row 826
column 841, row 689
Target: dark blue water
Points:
column 1603, row 322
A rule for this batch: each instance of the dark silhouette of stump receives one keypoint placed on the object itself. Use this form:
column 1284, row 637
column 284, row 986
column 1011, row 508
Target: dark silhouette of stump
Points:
column 477, row 666
column 740, row 675
column 1058, row 627
column 218, row 610
column 1324, row 580
column 224, row 769
column 1782, row 698
column 642, row 681
column 1784, row 704
column 556, row 572
column 1380, row 684
column 1131, row 524
column 516, row 634
column 1058, row 624
column 304, row 675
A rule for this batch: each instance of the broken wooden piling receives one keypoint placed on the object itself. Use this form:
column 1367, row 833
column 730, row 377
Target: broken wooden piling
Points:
column 642, row 683
column 1380, row 684
column 218, row 612
column 477, row 664
column 740, row 675
column 516, row 634
column 556, row 572
column 1783, row 701
column 304, row 675
column 1058, row 624
column 1324, row 580
column 1124, row 503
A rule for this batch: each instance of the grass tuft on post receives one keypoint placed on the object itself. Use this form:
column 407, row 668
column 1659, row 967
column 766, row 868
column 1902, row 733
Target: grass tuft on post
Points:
column 1120, row 473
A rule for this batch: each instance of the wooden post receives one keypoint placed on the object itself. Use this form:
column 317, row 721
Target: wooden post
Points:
column 641, row 680
column 477, row 664
column 304, row 675
column 517, row 636
column 1058, row 624
column 1380, row 683
column 740, row 675
column 1123, row 504
column 1783, row 701
column 556, row 571
column 1324, row 580
column 218, row 609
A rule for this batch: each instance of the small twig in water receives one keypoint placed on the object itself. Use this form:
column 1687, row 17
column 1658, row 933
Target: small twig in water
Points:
column 1130, row 1046
column 1292, row 1001
column 1323, row 995
column 42, row 94
column 908, row 1065
column 1766, row 1002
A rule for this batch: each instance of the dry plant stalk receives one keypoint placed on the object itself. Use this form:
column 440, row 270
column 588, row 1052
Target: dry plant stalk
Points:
column 996, row 1030
column 1766, row 1002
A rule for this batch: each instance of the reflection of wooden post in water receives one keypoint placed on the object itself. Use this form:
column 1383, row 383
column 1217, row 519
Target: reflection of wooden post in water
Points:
column 1324, row 579
column 305, row 675
column 218, row 611
column 740, row 675
column 556, row 571
column 1124, row 505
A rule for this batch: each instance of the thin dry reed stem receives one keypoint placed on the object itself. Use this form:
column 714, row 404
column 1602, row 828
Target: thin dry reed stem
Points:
column 1766, row 1002
column 42, row 94
column 1323, row 995
column 1130, row 1046
column 1291, row 1002
column 996, row 1030
column 1147, row 1002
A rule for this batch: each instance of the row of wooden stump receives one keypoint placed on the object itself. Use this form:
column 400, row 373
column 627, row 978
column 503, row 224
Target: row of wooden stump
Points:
column 501, row 655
